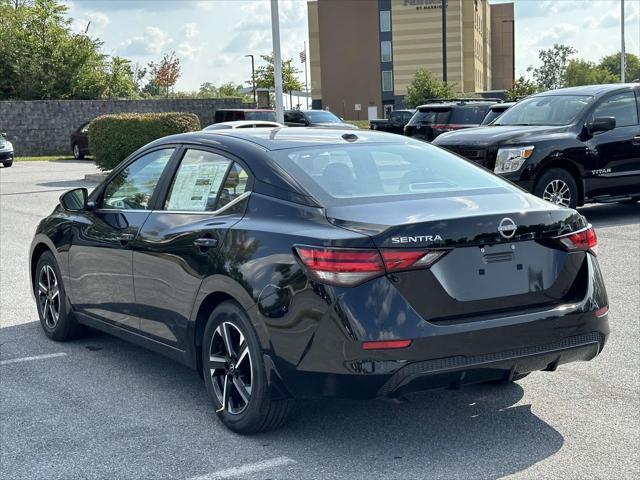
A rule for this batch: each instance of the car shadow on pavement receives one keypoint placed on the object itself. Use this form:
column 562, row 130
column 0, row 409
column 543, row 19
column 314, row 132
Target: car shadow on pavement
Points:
column 66, row 184
column 612, row 214
column 106, row 397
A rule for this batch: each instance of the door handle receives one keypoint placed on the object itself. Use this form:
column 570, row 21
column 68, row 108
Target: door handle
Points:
column 126, row 237
column 636, row 140
column 205, row 242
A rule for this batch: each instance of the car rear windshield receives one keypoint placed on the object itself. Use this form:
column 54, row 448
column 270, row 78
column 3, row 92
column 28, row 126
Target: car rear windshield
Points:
column 349, row 174
column 260, row 115
column 323, row 117
column 548, row 110
column 492, row 115
column 457, row 114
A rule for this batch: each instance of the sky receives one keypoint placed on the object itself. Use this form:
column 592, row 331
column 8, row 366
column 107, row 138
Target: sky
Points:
column 211, row 37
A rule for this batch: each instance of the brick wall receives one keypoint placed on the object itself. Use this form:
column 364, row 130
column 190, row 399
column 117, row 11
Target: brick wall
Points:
column 43, row 127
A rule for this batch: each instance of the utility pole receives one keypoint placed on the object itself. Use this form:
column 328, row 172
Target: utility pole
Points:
column 623, row 59
column 444, row 41
column 277, row 60
column 253, row 80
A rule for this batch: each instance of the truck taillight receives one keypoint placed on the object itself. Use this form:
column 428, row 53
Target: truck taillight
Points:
column 582, row 240
column 353, row 266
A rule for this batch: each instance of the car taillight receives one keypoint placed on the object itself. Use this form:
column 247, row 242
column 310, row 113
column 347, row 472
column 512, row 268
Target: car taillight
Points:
column 352, row 266
column 583, row 240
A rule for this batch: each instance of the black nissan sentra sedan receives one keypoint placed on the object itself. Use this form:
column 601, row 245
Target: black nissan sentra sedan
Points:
column 289, row 263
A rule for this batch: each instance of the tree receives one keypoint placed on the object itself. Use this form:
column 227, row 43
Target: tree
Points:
column 265, row 75
column 424, row 87
column 522, row 87
column 551, row 74
column 582, row 72
column 208, row 90
column 611, row 63
column 166, row 72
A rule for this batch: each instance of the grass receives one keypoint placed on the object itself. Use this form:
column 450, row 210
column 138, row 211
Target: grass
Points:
column 45, row 158
column 359, row 123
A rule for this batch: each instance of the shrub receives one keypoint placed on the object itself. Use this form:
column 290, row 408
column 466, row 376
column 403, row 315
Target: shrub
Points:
column 112, row 138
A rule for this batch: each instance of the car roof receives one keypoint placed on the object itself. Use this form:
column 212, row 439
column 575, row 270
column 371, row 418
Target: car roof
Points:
column 500, row 106
column 455, row 104
column 283, row 138
column 593, row 90
column 244, row 110
column 242, row 123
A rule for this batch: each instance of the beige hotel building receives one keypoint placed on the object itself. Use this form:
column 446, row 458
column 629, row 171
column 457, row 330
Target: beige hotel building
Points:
column 364, row 53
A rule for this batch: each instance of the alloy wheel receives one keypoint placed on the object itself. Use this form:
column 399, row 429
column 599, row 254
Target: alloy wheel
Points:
column 557, row 192
column 230, row 368
column 49, row 296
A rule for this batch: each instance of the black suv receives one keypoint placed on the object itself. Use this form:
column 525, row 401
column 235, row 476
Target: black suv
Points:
column 395, row 123
column 439, row 116
column 570, row 146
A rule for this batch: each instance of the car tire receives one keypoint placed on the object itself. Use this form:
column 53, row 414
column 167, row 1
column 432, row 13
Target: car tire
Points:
column 56, row 318
column 557, row 186
column 7, row 164
column 77, row 153
column 248, row 406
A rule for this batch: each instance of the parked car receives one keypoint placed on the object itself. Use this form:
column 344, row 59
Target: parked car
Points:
column 395, row 123
column 570, row 146
column 79, row 141
column 439, row 116
column 235, row 114
column 495, row 111
column 6, row 150
column 291, row 263
column 244, row 124
column 315, row 118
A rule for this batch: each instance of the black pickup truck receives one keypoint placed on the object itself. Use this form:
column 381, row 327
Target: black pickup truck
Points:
column 395, row 123
column 570, row 146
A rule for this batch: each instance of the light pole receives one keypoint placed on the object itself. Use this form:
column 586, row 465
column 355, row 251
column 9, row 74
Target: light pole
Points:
column 513, row 49
column 253, row 79
column 623, row 60
column 277, row 60
column 444, row 41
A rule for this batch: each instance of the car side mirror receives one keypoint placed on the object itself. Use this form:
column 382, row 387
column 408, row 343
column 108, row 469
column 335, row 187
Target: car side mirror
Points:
column 3, row 134
column 601, row 124
column 75, row 200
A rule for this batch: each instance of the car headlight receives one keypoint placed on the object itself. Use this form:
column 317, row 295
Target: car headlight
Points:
column 511, row 159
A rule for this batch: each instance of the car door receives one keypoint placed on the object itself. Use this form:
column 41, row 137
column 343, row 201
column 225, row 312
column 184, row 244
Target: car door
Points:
column 614, row 167
column 395, row 122
column 179, row 244
column 100, row 255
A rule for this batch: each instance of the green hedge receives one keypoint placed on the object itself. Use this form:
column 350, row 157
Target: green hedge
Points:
column 112, row 138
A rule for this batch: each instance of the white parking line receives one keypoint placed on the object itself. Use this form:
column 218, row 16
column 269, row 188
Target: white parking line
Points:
column 29, row 359
column 246, row 469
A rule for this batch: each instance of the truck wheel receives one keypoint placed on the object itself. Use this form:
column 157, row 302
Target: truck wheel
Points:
column 558, row 186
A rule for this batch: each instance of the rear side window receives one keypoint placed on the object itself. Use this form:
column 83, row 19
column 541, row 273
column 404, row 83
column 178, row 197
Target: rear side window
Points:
column 197, row 183
column 491, row 116
column 622, row 107
column 338, row 175
column 205, row 182
column 468, row 115
column 428, row 117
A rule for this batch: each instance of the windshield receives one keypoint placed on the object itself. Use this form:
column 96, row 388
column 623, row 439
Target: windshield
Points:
column 322, row 117
column 269, row 116
column 545, row 110
column 349, row 174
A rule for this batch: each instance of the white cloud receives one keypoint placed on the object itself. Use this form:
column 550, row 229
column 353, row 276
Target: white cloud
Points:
column 190, row 30
column 555, row 6
column 153, row 41
column 557, row 34
column 96, row 22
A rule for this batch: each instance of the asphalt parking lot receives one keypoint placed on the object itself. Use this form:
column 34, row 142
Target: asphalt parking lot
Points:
column 101, row 408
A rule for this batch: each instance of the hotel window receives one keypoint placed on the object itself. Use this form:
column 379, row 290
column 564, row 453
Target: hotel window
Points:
column 387, row 81
column 385, row 51
column 385, row 21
